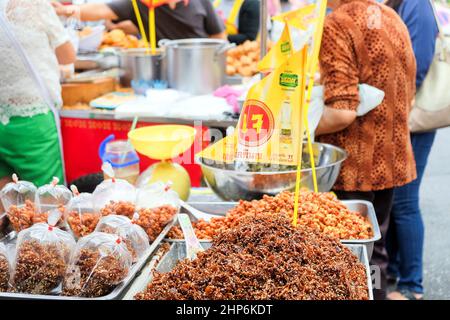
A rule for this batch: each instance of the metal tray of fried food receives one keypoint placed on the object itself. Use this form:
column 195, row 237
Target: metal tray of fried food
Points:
column 119, row 291
column 177, row 253
column 365, row 208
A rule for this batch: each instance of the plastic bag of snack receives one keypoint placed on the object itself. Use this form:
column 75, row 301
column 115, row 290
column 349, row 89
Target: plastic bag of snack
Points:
column 81, row 217
column 42, row 255
column 99, row 263
column 17, row 198
column 157, row 205
column 133, row 235
column 114, row 196
column 4, row 269
column 52, row 197
column 157, row 195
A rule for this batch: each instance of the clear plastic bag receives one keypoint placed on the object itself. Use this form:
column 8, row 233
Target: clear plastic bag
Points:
column 133, row 235
column 50, row 198
column 157, row 205
column 115, row 196
column 42, row 256
column 17, row 198
column 99, row 263
column 157, row 195
column 81, row 217
column 4, row 269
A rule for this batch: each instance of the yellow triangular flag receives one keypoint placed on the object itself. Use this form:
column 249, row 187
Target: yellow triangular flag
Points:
column 313, row 54
column 270, row 128
column 223, row 151
column 300, row 18
column 279, row 53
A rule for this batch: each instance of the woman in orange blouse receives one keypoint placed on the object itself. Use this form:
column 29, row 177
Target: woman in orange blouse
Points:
column 366, row 42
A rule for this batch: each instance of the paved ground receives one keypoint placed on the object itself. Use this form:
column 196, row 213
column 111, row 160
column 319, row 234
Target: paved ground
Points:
column 435, row 205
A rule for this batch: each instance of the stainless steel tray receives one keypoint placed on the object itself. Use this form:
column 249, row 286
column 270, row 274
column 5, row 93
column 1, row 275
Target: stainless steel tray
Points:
column 178, row 252
column 118, row 292
column 365, row 208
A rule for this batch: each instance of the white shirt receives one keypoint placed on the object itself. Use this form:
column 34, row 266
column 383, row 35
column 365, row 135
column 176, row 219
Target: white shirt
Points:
column 39, row 30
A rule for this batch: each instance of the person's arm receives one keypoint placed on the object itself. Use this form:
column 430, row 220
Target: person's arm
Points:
column 248, row 22
column 57, row 35
column 339, row 75
column 421, row 23
column 213, row 25
column 126, row 26
column 334, row 120
column 222, row 36
column 65, row 53
column 86, row 12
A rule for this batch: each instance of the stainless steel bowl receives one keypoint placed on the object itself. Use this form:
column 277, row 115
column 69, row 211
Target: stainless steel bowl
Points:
column 233, row 185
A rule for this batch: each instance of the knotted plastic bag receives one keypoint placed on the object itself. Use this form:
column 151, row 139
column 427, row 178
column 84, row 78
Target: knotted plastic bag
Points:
column 18, row 198
column 157, row 205
column 98, row 264
column 114, row 196
column 80, row 214
column 133, row 235
column 42, row 256
column 52, row 197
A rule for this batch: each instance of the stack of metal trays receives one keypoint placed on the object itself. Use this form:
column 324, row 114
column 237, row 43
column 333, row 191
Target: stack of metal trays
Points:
column 365, row 208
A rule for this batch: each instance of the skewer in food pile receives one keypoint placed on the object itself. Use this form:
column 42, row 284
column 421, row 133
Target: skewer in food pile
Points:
column 320, row 211
column 265, row 257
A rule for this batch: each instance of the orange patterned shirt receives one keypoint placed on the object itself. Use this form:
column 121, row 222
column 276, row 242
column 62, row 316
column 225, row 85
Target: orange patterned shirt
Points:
column 366, row 42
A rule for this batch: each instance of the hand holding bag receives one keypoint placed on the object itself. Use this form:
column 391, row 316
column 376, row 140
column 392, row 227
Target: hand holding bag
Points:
column 432, row 106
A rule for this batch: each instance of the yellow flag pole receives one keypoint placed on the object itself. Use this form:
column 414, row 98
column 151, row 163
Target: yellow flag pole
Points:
column 152, row 28
column 300, row 145
column 311, row 72
column 140, row 23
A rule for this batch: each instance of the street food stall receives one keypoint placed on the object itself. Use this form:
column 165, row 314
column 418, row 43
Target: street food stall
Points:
column 248, row 235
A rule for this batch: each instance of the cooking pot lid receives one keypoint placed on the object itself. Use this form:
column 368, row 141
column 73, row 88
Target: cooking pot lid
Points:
column 193, row 43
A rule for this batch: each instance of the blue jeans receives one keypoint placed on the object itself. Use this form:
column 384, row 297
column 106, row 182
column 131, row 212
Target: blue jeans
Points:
column 406, row 230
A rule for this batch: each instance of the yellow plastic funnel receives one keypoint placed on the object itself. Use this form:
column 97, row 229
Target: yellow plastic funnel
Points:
column 162, row 142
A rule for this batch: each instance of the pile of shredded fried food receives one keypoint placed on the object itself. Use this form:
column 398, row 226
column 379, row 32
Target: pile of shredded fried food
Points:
column 265, row 257
column 320, row 211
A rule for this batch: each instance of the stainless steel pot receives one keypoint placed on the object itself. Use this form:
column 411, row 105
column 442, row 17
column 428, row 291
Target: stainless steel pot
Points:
column 138, row 64
column 196, row 66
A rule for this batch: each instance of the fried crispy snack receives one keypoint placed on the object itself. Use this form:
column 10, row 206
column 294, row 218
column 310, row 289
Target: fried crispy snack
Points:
column 320, row 211
column 243, row 59
column 265, row 258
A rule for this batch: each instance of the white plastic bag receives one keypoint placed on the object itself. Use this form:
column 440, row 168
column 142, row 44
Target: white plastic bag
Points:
column 157, row 205
column 370, row 98
column 98, row 264
column 52, row 197
column 42, row 255
column 18, row 198
column 80, row 214
column 133, row 235
column 114, row 196
column 156, row 195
